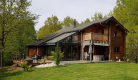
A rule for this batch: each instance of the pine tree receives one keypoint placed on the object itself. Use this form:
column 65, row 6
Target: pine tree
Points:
column 57, row 53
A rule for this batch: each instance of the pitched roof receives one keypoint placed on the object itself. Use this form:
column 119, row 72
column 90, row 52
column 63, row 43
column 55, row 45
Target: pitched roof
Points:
column 72, row 29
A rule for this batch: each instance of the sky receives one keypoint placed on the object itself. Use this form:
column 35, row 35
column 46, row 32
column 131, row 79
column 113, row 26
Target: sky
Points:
column 76, row 9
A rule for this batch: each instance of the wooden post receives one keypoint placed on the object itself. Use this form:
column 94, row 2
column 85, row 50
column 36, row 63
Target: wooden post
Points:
column 37, row 50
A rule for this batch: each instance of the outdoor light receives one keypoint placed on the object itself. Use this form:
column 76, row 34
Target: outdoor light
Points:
column 116, row 57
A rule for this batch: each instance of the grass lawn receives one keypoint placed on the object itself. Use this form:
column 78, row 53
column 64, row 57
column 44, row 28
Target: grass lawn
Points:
column 95, row 71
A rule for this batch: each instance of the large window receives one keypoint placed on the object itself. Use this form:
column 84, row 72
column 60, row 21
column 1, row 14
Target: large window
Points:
column 50, row 48
column 76, row 38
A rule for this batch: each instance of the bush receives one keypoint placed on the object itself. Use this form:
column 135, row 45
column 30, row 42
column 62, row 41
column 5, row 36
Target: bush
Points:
column 58, row 55
column 25, row 66
column 125, row 58
column 51, row 57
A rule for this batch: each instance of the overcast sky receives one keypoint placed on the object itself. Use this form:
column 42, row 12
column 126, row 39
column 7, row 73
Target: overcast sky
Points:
column 76, row 9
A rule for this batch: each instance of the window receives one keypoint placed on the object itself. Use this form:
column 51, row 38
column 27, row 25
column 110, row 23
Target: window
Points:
column 116, row 49
column 102, row 31
column 96, row 31
column 115, row 34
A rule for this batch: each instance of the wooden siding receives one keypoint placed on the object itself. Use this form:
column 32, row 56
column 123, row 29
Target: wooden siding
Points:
column 118, row 41
column 32, row 50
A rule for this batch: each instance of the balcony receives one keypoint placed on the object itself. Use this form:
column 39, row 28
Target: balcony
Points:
column 96, row 37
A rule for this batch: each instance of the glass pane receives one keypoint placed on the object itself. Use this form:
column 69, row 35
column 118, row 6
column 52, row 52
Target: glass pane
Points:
column 68, row 53
column 114, row 49
column 117, row 49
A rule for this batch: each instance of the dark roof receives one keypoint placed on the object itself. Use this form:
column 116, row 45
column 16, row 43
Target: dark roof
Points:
column 72, row 29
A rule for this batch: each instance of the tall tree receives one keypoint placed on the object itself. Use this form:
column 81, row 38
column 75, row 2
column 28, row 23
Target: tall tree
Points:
column 68, row 21
column 52, row 24
column 11, row 16
column 126, row 12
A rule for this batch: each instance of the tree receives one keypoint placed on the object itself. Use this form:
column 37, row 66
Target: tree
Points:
column 86, row 21
column 13, row 12
column 126, row 13
column 98, row 16
column 68, row 21
column 52, row 24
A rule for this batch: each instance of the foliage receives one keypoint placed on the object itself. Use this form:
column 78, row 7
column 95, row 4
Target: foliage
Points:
column 45, row 60
column 52, row 24
column 7, row 59
column 16, row 26
column 125, row 58
column 37, row 61
column 68, row 21
column 25, row 66
column 58, row 55
column 97, row 16
column 86, row 21
column 51, row 57
column 126, row 13
column 93, row 71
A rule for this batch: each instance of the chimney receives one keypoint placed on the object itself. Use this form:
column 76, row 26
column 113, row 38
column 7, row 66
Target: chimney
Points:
column 74, row 23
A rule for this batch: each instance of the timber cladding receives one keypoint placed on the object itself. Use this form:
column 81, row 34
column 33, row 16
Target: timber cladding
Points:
column 117, row 40
column 34, row 50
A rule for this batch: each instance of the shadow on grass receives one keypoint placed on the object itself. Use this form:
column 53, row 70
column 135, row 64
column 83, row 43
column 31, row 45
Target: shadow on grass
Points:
column 5, row 74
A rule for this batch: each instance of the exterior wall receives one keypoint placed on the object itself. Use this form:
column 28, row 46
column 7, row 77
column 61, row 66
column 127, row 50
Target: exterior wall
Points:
column 118, row 41
column 96, row 27
column 32, row 50
column 92, row 29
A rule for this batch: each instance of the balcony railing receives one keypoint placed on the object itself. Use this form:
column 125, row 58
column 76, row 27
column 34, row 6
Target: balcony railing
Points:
column 95, row 37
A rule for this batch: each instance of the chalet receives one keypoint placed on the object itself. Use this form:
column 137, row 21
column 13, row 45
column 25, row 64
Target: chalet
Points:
column 107, row 35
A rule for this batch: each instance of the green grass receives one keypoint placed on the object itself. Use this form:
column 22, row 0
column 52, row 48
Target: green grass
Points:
column 93, row 71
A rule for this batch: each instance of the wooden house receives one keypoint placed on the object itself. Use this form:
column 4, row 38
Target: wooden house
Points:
column 108, row 38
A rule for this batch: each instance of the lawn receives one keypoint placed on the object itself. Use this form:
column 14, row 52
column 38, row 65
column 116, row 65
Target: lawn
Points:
column 95, row 71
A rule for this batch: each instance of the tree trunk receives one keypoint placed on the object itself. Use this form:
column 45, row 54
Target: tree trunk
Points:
column 2, row 59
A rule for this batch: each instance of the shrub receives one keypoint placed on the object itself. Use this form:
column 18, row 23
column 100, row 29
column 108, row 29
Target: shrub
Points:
column 45, row 60
column 125, row 58
column 25, row 66
column 51, row 57
column 57, row 55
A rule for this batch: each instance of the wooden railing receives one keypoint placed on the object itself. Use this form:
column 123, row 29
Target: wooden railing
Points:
column 95, row 37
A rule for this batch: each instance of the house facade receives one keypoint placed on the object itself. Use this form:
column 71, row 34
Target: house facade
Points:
column 107, row 37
